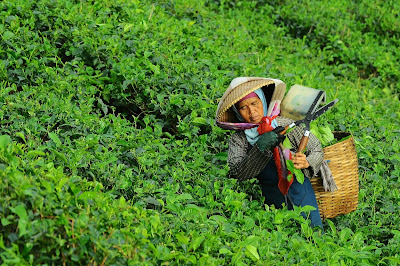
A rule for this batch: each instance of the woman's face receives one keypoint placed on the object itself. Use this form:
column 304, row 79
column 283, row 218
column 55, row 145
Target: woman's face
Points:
column 251, row 110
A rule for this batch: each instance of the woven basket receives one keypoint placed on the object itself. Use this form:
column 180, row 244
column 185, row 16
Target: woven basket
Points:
column 342, row 160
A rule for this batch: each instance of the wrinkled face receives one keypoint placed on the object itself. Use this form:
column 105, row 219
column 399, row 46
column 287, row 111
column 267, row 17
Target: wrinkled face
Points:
column 251, row 110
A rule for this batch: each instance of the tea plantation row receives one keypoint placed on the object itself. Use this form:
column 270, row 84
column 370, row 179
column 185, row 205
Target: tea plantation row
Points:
column 108, row 149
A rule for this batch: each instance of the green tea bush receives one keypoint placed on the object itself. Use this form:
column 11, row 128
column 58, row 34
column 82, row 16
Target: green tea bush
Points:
column 356, row 36
column 108, row 149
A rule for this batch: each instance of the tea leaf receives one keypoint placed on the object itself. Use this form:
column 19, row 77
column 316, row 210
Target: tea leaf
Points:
column 223, row 156
column 55, row 138
column 218, row 218
column 252, row 253
column 225, row 251
column 5, row 222
column 4, row 141
column 393, row 259
column 287, row 144
column 199, row 121
column 23, row 219
column 21, row 135
column 197, row 242
column 8, row 35
column 296, row 172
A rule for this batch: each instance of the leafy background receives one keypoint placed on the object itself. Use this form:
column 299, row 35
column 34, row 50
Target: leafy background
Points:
column 108, row 149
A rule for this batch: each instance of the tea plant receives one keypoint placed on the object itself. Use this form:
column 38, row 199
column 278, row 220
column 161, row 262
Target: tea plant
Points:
column 108, row 149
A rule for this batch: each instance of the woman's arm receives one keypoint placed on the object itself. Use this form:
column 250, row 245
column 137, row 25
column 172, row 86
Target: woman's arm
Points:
column 314, row 153
column 244, row 162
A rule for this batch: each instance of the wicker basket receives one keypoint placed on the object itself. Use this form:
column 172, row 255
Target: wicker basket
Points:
column 342, row 160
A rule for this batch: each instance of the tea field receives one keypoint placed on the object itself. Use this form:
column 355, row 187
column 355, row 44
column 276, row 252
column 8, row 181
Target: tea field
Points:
column 109, row 153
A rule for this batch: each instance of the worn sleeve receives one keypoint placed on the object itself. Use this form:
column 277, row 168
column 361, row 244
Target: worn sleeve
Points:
column 314, row 153
column 245, row 161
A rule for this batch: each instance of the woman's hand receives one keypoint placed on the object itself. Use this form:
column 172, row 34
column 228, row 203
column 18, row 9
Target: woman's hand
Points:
column 300, row 161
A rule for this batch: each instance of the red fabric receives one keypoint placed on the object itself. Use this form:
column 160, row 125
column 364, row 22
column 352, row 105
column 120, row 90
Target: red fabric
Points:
column 265, row 125
column 283, row 183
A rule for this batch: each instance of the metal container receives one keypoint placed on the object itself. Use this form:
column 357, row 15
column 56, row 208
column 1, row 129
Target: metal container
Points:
column 298, row 101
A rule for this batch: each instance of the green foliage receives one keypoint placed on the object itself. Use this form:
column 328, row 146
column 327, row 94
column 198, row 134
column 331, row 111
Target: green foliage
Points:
column 297, row 173
column 108, row 149
column 323, row 133
column 355, row 36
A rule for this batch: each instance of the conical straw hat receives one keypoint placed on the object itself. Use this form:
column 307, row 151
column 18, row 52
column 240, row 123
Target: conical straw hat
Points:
column 242, row 86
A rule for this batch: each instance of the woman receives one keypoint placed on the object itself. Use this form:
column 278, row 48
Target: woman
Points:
column 250, row 155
